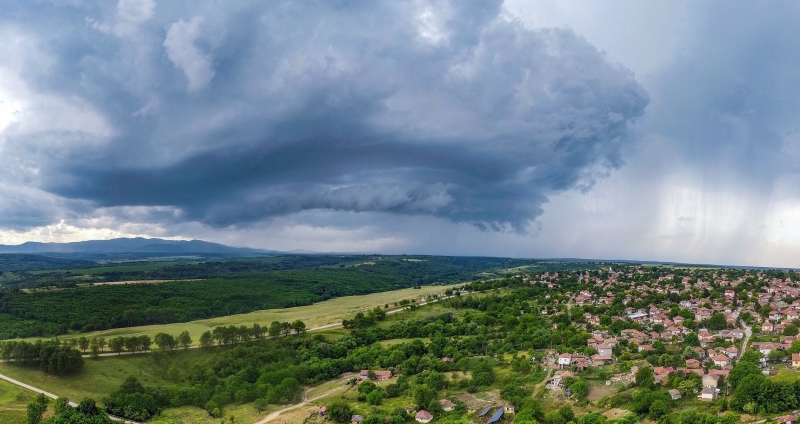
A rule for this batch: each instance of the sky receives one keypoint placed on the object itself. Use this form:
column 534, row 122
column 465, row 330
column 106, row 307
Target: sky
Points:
column 638, row 130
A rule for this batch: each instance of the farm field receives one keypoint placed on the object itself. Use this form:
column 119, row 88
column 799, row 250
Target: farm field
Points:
column 326, row 312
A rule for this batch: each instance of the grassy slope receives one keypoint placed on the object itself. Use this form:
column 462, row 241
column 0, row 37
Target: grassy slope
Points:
column 13, row 402
column 327, row 312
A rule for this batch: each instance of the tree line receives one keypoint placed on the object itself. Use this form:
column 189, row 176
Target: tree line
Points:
column 51, row 356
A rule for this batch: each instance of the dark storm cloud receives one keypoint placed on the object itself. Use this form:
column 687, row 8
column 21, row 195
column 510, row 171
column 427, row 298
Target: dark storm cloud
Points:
column 234, row 113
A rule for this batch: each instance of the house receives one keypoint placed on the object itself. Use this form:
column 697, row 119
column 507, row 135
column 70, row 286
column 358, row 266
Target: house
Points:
column 675, row 394
column 710, row 380
column 604, row 350
column 707, row 394
column 423, row 416
column 509, row 409
column 786, row 419
column 732, row 352
column 322, row 411
column 564, row 360
column 720, row 361
column 356, row 419
column 379, row 375
column 692, row 363
column 601, row 360
column 796, row 360
column 447, row 405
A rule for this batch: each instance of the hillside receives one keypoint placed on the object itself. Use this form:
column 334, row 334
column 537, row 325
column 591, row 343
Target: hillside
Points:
column 126, row 245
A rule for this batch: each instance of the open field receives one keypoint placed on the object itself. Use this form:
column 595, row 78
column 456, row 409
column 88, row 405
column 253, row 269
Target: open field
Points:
column 13, row 401
column 111, row 283
column 323, row 313
column 100, row 377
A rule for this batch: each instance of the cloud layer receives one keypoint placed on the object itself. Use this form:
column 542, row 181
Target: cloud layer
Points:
column 233, row 114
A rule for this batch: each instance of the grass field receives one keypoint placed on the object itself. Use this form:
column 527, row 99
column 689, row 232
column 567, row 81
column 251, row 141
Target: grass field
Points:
column 13, row 401
column 100, row 377
column 322, row 313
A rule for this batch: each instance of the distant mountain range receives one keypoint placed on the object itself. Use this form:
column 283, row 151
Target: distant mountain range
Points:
column 129, row 245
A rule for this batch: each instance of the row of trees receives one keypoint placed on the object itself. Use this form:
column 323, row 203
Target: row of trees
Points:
column 233, row 334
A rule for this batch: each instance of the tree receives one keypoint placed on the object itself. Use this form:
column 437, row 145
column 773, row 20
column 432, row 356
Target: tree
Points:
column 185, row 339
column 94, row 348
column 717, row 322
column 644, row 377
column 752, row 356
column 206, row 340
column 275, row 331
column 423, row 396
column 340, row 411
column 145, row 342
column 567, row 413
column 164, row 341
column 776, row 355
column 88, row 407
column 742, row 370
column 117, row 344
column 580, row 389
column 299, row 327
column 688, row 387
column 790, row 330
column 375, row 397
column 658, row 409
column 62, row 404
column 691, row 339
column 101, row 341
column 83, row 342
column 36, row 409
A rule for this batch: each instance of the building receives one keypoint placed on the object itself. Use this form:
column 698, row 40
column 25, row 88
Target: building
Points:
column 423, row 416
column 796, row 360
column 604, row 350
column 356, row 419
column 379, row 375
column 675, row 394
column 710, row 380
column 707, row 394
column 447, row 405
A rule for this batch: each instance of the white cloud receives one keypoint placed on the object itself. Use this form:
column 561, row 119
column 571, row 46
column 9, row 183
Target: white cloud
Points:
column 182, row 51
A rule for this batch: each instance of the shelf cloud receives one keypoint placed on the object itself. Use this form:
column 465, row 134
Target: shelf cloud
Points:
column 233, row 114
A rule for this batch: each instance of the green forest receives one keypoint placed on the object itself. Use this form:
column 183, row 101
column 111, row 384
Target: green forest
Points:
column 223, row 288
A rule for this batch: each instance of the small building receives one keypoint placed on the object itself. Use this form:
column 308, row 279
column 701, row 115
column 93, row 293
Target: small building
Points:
column 509, row 409
column 707, row 394
column 675, row 394
column 796, row 360
column 720, row 360
column 447, row 405
column 423, row 416
column 604, row 350
column 564, row 360
column 786, row 419
column 356, row 419
column 379, row 375
column 710, row 380
column 322, row 411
